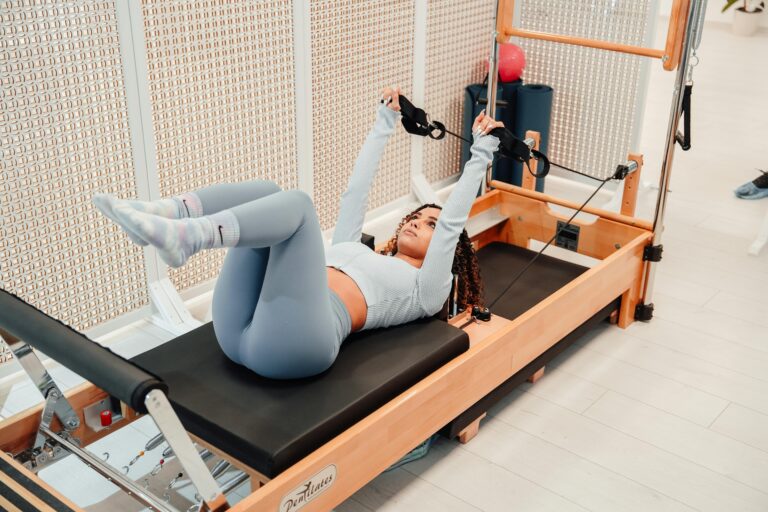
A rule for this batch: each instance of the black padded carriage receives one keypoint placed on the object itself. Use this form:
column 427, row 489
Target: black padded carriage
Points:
column 272, row 424
column 500, row 263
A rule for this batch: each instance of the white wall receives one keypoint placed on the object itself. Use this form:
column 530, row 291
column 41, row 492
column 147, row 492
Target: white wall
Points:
column 713, row 12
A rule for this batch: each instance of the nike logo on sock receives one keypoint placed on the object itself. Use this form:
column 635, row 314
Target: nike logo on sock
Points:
column 221, row 234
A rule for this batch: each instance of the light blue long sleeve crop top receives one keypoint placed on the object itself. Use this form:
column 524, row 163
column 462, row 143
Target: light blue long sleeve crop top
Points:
column 395, row 291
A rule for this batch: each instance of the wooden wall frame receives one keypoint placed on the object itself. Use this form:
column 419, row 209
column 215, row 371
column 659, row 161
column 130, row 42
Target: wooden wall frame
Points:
column 670, row 55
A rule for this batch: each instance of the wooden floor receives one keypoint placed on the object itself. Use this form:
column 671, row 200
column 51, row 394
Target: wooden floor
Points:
column 668, row 415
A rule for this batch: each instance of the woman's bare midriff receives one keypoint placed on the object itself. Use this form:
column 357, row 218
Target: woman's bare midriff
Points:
column 349, row 293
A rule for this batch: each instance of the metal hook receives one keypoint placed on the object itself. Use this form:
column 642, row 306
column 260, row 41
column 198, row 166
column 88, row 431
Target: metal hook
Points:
column 137, row 457
column 176, row 479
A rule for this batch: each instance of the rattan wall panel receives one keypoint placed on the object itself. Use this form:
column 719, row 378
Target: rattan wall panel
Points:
column 358, row 47
column 221, row 83
column 458, row 41
column 64, row 137
column 594, row 107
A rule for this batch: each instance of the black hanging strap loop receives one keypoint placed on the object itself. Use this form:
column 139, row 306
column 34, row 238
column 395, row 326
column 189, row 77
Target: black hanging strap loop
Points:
column 437, row 126
column 414, row 119
column 543, row 162
column 684, row 139
column 417, row 122
column 513, row 147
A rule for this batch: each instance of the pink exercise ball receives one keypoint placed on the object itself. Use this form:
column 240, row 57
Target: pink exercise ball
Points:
column 511, row 62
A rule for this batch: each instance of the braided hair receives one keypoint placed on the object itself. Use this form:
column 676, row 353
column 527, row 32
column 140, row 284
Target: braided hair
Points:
column 465, row 263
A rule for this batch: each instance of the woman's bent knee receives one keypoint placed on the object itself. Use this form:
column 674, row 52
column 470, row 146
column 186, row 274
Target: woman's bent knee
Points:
column 270, row 186
column 301, row 199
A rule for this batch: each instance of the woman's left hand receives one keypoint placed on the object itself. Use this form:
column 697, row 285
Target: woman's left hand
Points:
column 484, row 124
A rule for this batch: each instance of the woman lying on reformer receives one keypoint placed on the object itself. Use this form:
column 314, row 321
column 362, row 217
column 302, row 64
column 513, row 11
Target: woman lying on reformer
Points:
column 282, row 305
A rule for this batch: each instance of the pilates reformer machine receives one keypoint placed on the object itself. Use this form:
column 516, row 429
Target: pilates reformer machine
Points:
column 309, row 444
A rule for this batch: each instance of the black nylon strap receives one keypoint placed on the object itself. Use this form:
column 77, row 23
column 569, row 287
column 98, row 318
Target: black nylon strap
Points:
column 417, row 122
column 515, row 148
column 684, row 139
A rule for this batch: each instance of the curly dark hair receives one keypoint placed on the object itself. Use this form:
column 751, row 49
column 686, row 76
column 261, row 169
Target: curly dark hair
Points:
column 465, row 263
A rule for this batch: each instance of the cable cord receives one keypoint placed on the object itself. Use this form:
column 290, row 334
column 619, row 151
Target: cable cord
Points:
column 575, row 172
column 416, row 121
column 557, row 232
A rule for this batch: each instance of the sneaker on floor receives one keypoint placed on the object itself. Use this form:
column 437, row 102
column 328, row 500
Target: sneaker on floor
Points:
column 755, row 189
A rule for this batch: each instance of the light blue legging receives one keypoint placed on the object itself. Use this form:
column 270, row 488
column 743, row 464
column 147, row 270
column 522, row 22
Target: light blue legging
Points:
column 272, row 309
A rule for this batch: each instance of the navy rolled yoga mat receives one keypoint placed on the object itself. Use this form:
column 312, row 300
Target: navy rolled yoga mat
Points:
column 506, row 92
column 533, row 111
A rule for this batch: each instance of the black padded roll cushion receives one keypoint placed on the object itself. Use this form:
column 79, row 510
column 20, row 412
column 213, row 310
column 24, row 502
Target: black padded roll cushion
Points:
column 272, row 424
column 500, row 263
column 107, row 370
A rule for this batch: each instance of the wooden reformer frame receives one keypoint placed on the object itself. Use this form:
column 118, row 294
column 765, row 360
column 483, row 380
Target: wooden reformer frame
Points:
column 498, row 348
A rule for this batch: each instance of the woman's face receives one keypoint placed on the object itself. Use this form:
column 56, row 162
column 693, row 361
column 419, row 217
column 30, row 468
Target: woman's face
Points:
column 416, row 233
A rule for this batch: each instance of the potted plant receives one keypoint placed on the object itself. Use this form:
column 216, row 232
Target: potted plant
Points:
column 746, row 17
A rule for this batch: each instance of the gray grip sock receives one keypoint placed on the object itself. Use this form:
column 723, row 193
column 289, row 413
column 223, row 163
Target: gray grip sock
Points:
column 187, row 205
column 178, row 239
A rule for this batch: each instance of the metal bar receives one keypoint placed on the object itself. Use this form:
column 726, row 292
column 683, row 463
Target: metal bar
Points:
column 700, row 10
column 235, row 481
column 582, row 41
column 154, row 442
column 493, row 77
column 31, row 364
column 160, row 408
column 113, row 476
column 669, row 153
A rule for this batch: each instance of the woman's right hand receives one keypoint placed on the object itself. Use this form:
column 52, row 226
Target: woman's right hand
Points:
column 391, row 98
column 484, row 124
